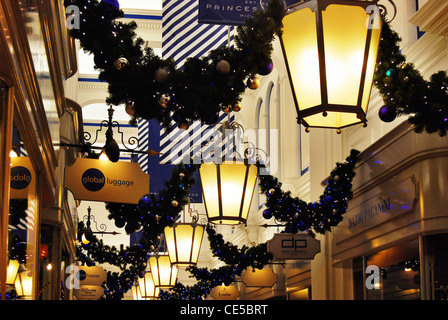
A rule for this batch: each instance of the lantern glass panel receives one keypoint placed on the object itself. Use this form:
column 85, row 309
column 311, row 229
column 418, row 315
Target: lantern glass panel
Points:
column 163, row 273
column 371, row 63
column 11, row 273
column 345, row 34
column 300, row 42
column 147, row 287
column 210, row 189
column 184, row 242
column 232, row 186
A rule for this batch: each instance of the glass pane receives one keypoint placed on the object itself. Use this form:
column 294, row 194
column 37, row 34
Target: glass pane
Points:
column 300, row 42
column 23, row 237
column 210, row 189
column 345, row 34
column 400, row 273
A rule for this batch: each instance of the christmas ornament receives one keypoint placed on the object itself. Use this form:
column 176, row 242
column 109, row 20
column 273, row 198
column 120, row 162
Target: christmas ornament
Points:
column 120, row 63
column 267, row 214
column 164, row 99
column 227, row 109
column 113, row 4
column 184, row 125
column 174, row 203
column 391, row 72
column 253, row 83
column 236, row 107
column 130, row 108
column 387, row 114
column 266, row 69
column 223, row 67
column 160, row 75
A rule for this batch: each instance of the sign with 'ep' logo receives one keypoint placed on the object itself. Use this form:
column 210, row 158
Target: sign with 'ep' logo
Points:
column 105, row 181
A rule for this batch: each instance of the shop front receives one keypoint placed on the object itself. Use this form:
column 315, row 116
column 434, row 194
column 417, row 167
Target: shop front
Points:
column 38, row 230
column 393, row 236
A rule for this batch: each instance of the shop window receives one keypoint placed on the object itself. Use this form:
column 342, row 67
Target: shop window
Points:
column 399, row 273
column 437, row 246
column 23, row 223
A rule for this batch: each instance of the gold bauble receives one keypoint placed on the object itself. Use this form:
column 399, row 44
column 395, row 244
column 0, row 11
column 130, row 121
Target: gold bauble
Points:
column 237, row 107
column 253, row 83
column 227, row 109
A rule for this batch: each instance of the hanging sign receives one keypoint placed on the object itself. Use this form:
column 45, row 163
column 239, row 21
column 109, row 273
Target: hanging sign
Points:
column 286, row 246
column 94, row 276
column 225, row 293
column 105, row 181
column 23, row 178
column 88, row 292
column 259, row 278
column 232, row 12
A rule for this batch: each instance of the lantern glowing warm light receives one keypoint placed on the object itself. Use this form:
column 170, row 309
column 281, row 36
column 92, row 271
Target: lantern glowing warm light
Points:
column 11, row 273
column 147, row 289
column 228, row 190
column 163, row 272
column 24, row 284
column 330, row 48
column 184, row 243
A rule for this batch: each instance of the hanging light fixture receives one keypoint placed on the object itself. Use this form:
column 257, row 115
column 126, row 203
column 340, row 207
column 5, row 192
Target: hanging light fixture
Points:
column 136, row 292
column 184, row 243
column 330, row 48
column 228, row 183
column 183, row 239
column 164, row 274
column 147, row 289
column 11, row 273
column 228, row 188
column 24, row 284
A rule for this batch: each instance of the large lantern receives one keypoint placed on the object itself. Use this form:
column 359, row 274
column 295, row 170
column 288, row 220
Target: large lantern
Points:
column 228, row 190
column 184, row 243
column 163, row 272
column 330, row 48
column 148, row 290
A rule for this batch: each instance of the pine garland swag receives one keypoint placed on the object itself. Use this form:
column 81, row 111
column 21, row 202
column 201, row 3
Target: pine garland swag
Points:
column 406, row 92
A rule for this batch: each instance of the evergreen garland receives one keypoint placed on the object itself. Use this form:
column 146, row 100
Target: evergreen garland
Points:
column 153, row 215
column 291, row 212
column 406, row 92
column 155, row 87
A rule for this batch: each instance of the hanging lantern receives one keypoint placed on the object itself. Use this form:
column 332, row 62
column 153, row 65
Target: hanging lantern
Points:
column 24, row 284
column 163, row 273
column 184, row 242
column 228, row 190
column 148, row 290
column 330, row 48
column 136, row 292
column 11, row 273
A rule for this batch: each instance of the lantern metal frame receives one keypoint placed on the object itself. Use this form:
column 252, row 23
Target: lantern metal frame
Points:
column 242, row 215
column 318, row 6
column 145, row 294
column 173, row 241
column 154, row 262
column 251, row 156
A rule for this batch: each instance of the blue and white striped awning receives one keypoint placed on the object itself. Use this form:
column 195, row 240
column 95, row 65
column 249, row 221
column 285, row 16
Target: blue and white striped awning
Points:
column 184, row 37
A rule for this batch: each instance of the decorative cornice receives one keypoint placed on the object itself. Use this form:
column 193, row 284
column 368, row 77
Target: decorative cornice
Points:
column 432, row 17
